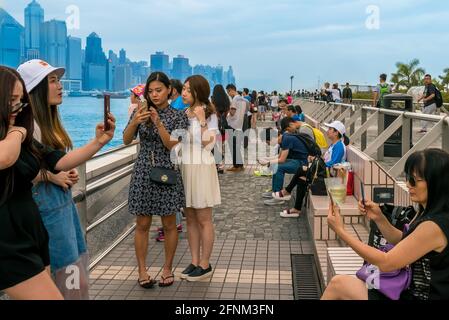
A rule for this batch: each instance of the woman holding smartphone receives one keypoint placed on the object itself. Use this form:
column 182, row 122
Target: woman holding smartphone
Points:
column 200, row 176
column 52, row 192
column 148, row 198
column 24, row 241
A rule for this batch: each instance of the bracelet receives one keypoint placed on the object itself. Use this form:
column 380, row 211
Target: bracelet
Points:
column 17, row 131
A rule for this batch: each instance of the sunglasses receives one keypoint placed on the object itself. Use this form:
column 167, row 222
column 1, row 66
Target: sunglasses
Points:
column 412, row 180
column 18, row 107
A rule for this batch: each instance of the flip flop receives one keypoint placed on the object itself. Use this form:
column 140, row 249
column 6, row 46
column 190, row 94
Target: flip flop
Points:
column 164, row 285
column 147, row 284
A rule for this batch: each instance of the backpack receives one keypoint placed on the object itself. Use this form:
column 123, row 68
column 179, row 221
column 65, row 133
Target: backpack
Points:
column 438, row 98
column 320, row 139
column 384, row 90
column 397, row 216
column 312, row 148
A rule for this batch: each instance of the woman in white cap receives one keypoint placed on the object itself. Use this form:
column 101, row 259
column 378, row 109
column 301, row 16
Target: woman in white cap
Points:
column 52, row 192
column 24, row 241
column 337, row 151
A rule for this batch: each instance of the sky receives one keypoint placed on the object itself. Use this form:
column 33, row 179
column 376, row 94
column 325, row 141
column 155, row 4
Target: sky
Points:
column 267, row 42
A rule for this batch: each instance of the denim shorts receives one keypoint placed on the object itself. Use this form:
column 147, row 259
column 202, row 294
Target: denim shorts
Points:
column 60, row 217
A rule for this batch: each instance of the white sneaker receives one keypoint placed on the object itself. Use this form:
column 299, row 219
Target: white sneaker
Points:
column 288, row 214
column 273, row 202
column 281, row 196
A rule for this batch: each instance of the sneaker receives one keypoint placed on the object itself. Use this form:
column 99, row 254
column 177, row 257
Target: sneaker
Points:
column 160, row 237
column 273, row 202
column 179, row 228
column 289, row 214
column 199, row 274
column 187, row 271
column 267, row 195
column 280, row 196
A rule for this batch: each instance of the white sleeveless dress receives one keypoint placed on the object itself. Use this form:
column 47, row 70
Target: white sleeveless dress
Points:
column 199, row 172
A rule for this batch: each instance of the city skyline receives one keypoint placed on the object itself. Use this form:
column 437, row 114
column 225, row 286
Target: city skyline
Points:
column 269, row 42
column 89, row 68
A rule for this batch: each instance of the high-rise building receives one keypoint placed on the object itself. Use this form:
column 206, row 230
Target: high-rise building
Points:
column 160, row 62
column 34, row 18
column 218, row 75
column 94, row 50
column 113, row 58
column 74, row 59
column 181, row 68
column 123, row 77
column 54, row 42
column 231, row 77
column 122, row 57
column 97, row 71
column 12, row 40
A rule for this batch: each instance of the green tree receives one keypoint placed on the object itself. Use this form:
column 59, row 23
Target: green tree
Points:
column 408, row 75
column 445, row 79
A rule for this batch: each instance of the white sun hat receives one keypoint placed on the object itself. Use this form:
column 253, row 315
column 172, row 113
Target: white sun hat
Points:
column 337, row 125
column 34, row 71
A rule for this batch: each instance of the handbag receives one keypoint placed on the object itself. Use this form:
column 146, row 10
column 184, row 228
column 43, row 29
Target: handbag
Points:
column 163, row 176
column 391, row 284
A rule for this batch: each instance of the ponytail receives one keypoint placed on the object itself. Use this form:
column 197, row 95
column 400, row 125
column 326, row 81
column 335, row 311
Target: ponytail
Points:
column 346, row 140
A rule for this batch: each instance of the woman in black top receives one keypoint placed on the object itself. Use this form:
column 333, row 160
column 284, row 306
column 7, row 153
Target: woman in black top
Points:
column 424, row 246
column 24, row 253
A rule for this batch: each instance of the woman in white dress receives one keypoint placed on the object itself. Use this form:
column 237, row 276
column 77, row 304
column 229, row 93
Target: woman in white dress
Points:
column 200, row 176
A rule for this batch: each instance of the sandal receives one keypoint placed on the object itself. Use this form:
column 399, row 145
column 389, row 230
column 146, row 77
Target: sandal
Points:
column 147, row 284
column 163, row 284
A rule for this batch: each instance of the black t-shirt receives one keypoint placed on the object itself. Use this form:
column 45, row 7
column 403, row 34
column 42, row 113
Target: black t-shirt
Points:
column 430, row 274
column 430, row 89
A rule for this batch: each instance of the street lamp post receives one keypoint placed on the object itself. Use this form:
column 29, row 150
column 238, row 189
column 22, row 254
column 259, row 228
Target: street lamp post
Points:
column 291, row 87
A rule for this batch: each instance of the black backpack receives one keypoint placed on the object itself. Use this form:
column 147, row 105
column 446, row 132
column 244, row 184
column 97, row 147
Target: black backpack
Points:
column 438, row 98
column 312, row 147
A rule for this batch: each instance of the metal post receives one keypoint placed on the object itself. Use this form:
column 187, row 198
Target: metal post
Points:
column 380, row 129
column 81, row 188
column 445, row 135
column 364, row 135
column 406, row 139
column 352, row 127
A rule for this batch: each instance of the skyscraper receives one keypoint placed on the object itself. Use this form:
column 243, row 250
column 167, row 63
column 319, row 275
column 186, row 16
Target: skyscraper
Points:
column 231, row 77
column 181, row 68
column 74, row 59
column 12, row 40
column 122, row 56
column 54, row 42
column 160, row 62
column 94, row 50
column 122, row 77
column 34, row 17
column 97, row 72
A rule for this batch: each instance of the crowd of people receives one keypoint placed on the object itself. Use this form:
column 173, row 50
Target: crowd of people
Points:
column 176, row 175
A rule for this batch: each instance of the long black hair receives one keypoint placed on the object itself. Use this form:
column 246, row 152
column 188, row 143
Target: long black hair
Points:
column 8, row 80
column 432, row 165
column 221, row 100
column 157, row 76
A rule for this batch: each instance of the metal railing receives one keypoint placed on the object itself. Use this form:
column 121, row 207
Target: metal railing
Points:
column 368, row 117
column 111, row 183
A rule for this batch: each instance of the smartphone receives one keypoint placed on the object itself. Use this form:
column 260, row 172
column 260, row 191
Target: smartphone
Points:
column 107, row 110
column 144, row 104
column 362, row 190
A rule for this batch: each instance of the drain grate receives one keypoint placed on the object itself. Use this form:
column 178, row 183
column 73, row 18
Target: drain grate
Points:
column 306, row 282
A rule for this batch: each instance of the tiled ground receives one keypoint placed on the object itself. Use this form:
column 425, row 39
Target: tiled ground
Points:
column 252, row 254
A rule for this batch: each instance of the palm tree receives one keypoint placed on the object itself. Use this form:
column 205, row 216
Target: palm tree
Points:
column 408, row 75
column 445, row 79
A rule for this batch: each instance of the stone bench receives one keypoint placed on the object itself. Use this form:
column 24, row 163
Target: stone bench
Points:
column 342, row 261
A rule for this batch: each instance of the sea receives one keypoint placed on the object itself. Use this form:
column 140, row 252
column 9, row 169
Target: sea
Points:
column 80, row 115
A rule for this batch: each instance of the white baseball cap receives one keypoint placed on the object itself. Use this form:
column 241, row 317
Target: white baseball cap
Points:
column 337, row 125
column 34, row 71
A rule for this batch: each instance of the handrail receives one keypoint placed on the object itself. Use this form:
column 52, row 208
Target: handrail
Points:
column 113, row 150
